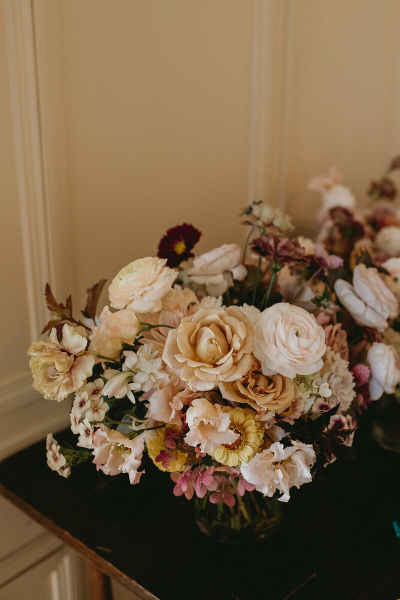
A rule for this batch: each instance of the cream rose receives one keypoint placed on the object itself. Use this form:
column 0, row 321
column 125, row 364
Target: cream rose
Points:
column 269, row 395
column 60, row 368
column 388, row 240
column 218, row 268
column 211, row 346
column 368, row 300
column 289, row 341
column 141, row 285
column 384, row 363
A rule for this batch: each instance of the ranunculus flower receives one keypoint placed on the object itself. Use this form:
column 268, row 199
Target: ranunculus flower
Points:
column 208, row 426
column 384, row 363
column 211, row 346
column 115, row 329
column 289, row 341
column 116, row 453
column 368, row 300
column 141, row 285
column 269, row 395
column 59, row 369
column 178, row 299
column 218, row 268
column 388, row 240
column 279, row 468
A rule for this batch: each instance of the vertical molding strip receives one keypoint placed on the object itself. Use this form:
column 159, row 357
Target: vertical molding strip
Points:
column 284, row 136
column 28, row 145
column 258, row 104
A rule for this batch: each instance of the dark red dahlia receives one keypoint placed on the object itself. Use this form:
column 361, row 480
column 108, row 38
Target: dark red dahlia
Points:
column 177, row 244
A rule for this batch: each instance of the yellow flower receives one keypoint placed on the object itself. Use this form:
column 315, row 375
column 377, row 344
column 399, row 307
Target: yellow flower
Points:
column 156, row 444
column 251, row 435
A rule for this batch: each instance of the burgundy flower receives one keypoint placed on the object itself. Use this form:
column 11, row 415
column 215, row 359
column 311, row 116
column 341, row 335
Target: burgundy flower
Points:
column 384, row 188
column 283, row 251
column 177, row 244
column 395, row 164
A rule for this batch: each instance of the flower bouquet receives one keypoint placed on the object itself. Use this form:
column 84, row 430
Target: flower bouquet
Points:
column 369, row 287
column 229, row 369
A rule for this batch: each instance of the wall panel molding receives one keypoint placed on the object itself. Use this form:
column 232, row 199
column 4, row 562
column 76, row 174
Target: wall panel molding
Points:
column 28, row 145
column 269, row 97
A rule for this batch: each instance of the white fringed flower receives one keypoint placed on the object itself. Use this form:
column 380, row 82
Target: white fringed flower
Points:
column 339, row 380
column 278, row 468
column 208, row 426
column 116, row 453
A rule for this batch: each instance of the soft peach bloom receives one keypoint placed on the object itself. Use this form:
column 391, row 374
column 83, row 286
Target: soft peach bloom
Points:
column 141, row 285
column 211, row 346
column 289, row 341
column 388, row 240
column 115, row 329
column 251, row 312
column 116, row 453
column 160, row 407
column 179, row 299
column 338, row 195
column 218, row 268
column 368, row 300
column 278, row 468
column 336, row 339
column 267, row 395
column 60, row 368
column 208, row 426
column 384, row 363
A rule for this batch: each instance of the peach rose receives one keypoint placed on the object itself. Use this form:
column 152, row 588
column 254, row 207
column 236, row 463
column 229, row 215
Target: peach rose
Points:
column 270, row 395
column 289, row 341
column 211, row 346
column 218, row 268
column 60, row 368
column 141, row 285
column 368, row 300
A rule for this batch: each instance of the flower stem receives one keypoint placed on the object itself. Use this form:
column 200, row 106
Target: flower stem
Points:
column 256, row 280
column 108, row 359
column 246, row 244
column 275, row 270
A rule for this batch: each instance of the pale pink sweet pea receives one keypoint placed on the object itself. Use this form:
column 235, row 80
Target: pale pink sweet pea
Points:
column 116, row 453
column 208, row 426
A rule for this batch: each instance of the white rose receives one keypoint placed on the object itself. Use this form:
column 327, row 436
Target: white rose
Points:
column 141, row 285
column 368, row 300
column 384, row 363
column 289, row 341
column 217, row 268
column 388, row 240
column 338, row 195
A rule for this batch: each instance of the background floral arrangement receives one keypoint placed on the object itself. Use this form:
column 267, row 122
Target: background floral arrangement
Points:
column 236, row 370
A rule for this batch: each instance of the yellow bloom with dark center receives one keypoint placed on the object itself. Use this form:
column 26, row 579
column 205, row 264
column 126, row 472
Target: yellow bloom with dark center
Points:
column 251, row 434
column 155, row 447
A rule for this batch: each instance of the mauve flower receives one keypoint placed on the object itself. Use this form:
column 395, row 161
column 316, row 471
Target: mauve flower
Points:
column 244, row 486
column 206, row 482
column 211, row 346
column 141, row 285
column 385, row 188
column 361, row 374
column 177, row 244
column 289, row 341
column 384, row 363
column 60, row 368
column 218, row 268
column 368, row 300
column 184, row 483
column 282, row 251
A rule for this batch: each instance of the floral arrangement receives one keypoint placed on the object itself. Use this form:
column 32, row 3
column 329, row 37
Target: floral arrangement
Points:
column 236, row 370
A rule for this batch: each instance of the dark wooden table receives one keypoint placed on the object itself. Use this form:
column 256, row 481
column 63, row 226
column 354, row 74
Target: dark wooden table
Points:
column 337, row 540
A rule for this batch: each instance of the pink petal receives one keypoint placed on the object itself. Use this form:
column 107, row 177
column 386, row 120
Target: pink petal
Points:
column 216, row 497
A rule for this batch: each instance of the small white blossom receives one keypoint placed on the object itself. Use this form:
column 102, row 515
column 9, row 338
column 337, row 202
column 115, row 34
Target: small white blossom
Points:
column 55, row 460
column 97, row 410
column 85, row 431
column 94, row 388
column 149, row 369
column 75, row 418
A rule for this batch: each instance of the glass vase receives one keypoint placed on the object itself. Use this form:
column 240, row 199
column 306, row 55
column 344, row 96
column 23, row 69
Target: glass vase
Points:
column 254, row 517
column 386, row 423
